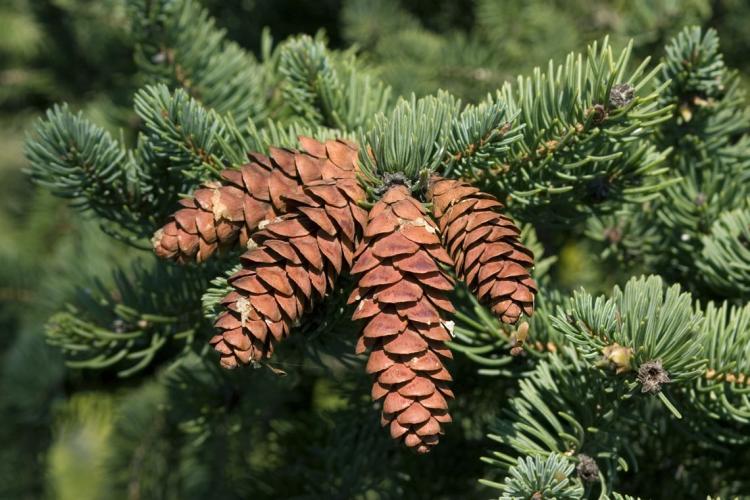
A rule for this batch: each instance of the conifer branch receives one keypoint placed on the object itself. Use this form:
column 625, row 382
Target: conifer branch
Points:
column 179, row 44
column 707, row 137
column 129, row 327
column 328, row 89
column 562, row 408
column 133, row 190
column 721, row 394
column 584, row 391
column 725, row 259
column 548, row 477
column 410, row 141
column 480, row 138
column 179, row 134
column 80, row 161
column 583, row 125
column 638, row 326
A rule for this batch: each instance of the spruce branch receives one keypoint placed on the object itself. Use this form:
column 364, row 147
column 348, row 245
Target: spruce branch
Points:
column 181, row 144
column 721, row 394
column 694, row 66
column 147, row 313
column 492, row 345
column 539, row 477
column 179, row 44
column 480, row 138
column 639, row 324
column 659, row 156
column 80, row 161
column 563, row 408
column 684, row 218
column 709, row 145
column 725, row 259
column 81, row 156
column 179, row 133
column 409, row 141
column 329, row 89
column 708, row 103
column 480, row 336
column 625, row 238
column 584, row 125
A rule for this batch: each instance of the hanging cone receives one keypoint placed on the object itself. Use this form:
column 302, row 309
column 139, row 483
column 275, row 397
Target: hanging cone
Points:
column 219, row 214
column 294, row 261
column 485, row 247
column 401, row 294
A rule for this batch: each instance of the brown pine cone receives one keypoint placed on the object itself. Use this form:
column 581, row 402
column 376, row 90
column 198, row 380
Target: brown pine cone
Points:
column 219, row 214
column 295, row 261
column 485, row 247
column 401, row 294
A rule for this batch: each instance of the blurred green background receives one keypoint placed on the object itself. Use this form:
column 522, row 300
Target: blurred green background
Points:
column 56, row 422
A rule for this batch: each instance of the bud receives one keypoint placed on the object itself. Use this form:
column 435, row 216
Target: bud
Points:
column 518, row 338
column 587, row 469
column 652, row 375
column 621, row 95
column 618, row 357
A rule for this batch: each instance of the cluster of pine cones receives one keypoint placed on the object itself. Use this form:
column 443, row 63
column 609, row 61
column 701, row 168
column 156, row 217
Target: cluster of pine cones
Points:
column 300, row 215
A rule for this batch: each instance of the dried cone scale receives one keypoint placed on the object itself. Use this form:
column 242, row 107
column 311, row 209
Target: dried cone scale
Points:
column 485, row 247
column 401, row 296
column 295, row 259
column 218, row 215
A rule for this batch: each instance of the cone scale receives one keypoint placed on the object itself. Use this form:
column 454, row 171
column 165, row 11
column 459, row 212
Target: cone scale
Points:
column 485, row 246
column 401, row 296
column 221, row 214
column 295, row 259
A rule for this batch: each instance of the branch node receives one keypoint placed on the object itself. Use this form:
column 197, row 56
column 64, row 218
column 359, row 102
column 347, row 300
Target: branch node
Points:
column 652, row 375
column 587, row 469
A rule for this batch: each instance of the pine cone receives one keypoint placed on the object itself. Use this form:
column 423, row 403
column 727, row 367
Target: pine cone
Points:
column 485, row 247
column 401, row 293
column 219, row 215
column 295, row 260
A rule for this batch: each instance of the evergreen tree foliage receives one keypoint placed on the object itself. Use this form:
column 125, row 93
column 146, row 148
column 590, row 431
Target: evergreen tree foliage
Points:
column 548, row 477
column 624, row 143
